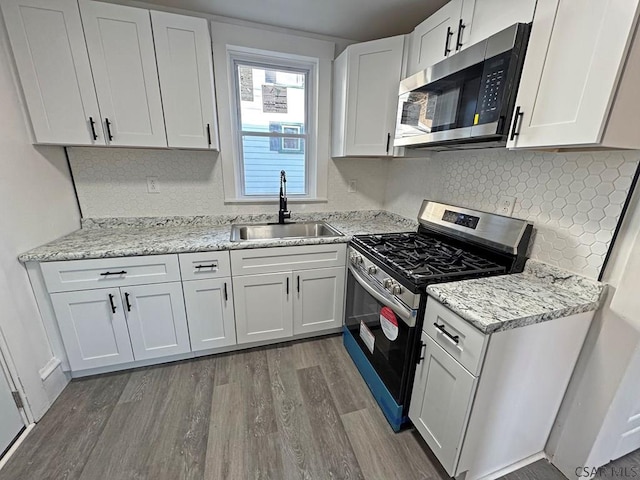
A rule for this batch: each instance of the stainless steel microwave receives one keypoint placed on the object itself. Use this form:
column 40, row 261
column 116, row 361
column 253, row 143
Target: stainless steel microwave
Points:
column 466, row 100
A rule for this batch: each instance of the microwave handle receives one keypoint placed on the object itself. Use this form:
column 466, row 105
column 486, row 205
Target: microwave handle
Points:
column 404, row 313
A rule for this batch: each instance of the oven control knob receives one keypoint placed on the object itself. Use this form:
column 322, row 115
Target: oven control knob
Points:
column 372, row 270
column 387, row 282
column 356, row 259
column 396, row 289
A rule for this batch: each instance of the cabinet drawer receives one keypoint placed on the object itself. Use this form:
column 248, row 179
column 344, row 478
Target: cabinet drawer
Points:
column 110, row 272
column 471, row 343
column 281, row 259
column 196, row 266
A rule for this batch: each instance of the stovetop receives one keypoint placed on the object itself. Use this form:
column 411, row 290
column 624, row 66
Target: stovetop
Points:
column 422, row 259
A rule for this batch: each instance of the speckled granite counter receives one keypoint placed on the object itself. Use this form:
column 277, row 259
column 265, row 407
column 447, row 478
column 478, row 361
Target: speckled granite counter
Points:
column 540, row 293
column 124, row 237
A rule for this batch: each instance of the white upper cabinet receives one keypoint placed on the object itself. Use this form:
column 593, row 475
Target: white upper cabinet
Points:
column 123, row 61
column 185, row 66
column 435, row 38
column 482, row 18
column 51, row 56
column 580, row 77
column 366, row 79
column 459, row 24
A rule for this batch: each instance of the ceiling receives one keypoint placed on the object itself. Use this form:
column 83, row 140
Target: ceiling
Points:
column 351, row 19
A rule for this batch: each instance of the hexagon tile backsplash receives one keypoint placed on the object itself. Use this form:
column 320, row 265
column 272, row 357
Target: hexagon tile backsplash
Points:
column 573, row 199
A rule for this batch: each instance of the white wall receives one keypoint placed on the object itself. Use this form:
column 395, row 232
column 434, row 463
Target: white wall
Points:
column 112, row 183
column 37, row 204
column 603, row 392
column 573, row 199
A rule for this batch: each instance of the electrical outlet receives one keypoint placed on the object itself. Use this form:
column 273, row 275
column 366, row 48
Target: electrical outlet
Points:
column 153, row 186
column 353, row 186
column 505, row 205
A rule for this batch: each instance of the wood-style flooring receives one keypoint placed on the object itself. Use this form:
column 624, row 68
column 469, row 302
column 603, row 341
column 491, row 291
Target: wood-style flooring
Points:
column 293, row 411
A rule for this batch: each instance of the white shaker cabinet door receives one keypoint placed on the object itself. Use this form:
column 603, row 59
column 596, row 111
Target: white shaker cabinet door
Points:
column 210, row 313
column 318, row 299
column 482, row 18
column 185, row 67
column 574, row 58
column 93, row 328
column 51, row 56
column 439, row 409
column 123, row 61
column 263, row 306
column 156, row 319
column 434, row 39
column 374, row 70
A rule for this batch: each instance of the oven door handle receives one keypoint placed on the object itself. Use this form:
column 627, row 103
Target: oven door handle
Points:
column 403, row 312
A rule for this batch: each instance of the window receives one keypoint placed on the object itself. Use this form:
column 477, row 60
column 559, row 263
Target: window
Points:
column 272, row 96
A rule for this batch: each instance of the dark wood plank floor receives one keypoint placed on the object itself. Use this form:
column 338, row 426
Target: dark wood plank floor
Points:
column 294, row 411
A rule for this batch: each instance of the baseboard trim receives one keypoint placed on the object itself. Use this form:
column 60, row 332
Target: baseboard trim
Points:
column 16, row 444
column 514, row 466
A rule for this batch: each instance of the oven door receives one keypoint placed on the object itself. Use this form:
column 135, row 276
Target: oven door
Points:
column 383, row 329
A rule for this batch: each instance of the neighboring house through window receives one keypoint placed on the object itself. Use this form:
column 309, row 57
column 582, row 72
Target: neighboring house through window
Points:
column 272, row 96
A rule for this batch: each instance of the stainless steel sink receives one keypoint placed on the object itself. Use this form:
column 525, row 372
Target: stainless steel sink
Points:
column 270, row 231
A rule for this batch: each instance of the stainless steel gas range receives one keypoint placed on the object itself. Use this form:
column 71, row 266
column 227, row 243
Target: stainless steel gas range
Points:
column 386, row 282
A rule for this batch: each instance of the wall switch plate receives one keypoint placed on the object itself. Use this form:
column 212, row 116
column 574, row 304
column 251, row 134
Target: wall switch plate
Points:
column 353, row 186
column 505, row 205
column 153, row 186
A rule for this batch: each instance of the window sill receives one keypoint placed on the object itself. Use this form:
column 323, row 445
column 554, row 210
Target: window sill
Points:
column 273, row 200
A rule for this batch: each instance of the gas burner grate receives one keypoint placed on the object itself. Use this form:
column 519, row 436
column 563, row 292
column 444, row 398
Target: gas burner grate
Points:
column 426, row 259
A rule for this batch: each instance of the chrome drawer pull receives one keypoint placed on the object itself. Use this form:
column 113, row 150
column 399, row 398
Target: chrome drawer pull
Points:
column 454, row 338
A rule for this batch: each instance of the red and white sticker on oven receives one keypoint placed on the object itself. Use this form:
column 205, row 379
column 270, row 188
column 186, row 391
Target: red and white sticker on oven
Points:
column 389, row 323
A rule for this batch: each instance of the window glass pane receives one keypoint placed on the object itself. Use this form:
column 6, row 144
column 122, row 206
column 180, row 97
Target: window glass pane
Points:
column 273, row 104
column 270, row 95
column 264, row 157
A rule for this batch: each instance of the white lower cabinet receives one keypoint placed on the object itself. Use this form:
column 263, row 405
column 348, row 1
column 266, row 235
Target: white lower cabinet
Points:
column 442, row 394
column 93, row 328
column 294, row 291
column 156, row 319
column 210, row 313
column 485, row 403
column 111, row 326
column 318, row 300
column 263, row 307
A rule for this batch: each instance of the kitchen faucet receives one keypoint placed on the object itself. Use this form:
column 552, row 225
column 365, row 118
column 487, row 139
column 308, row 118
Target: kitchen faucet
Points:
column 283, row 213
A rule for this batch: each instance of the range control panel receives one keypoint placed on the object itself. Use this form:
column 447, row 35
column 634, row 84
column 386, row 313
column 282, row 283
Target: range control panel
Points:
column 461, row 219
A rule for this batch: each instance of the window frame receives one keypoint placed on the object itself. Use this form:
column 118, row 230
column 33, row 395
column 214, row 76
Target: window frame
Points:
column 280, row 62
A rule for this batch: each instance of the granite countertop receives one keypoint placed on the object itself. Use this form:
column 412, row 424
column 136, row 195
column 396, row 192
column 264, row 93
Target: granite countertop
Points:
column 124, row 237
column 540, row 293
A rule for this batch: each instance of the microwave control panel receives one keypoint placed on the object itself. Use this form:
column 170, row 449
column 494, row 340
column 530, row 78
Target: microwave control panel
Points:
column 492, row 88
